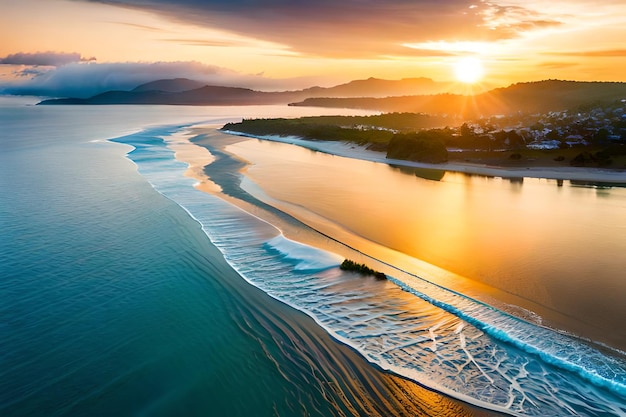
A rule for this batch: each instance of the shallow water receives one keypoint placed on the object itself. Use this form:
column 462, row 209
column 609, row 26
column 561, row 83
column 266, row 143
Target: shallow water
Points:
column 114, row 302
column 557, row 248
column 423, row 331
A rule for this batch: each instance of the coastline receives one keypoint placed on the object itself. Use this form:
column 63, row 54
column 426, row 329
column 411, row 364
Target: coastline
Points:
column 203, row 316
column 199, row 137
column 354, row 151
column 402, row 394
column 370, row 251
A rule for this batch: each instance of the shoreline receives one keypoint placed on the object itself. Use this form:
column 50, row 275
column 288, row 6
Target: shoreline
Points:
column 393, row 381
column 354, row 151
column 391, row 369
column 292, row 332
column 511, row 303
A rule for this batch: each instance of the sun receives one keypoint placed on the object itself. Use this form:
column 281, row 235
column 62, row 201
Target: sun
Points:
column 468, row 70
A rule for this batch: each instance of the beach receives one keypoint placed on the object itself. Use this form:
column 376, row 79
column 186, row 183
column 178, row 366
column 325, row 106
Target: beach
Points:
column 344, row 233
column 338, row 237
column 115, row 302
column 534, row 169
column 176, row 267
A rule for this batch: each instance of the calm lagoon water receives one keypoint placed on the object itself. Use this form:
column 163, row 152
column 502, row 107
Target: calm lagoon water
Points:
column 121, row 288
column 558, row 248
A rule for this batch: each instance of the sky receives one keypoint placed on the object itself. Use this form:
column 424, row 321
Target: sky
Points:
column 89, row 45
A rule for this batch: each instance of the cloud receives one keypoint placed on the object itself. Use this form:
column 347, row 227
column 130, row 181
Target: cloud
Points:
column 604, row 53
column 29, row 72
column 353, row 28
column 329, row 28
column 88, row 79
column 557, row 65
column 509, row 21
column 53, row 59
column 203, row 42
column 417, row 51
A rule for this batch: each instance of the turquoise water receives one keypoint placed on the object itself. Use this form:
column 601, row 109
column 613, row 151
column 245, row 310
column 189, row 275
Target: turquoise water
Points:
column 114, row 302
column 439, row 337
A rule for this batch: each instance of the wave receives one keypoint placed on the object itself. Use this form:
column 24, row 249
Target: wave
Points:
column 304, row 257
column 430, row 334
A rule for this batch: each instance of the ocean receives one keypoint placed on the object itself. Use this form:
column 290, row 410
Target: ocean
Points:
column 125, row 290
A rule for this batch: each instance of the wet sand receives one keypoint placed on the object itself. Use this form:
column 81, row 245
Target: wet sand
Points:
column 290, row 226
column 362, row 386
column 340, row 237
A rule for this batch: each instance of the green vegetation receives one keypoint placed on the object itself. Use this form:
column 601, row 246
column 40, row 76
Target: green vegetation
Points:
column 374, row 131
column 359, row 129
column 424, row 146
column 593, row 139
column 310, row 128
column 601, row 158
column 348, row 265
column 391, row 121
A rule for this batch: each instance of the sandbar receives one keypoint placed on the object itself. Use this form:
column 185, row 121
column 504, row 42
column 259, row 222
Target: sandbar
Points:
column 530, row 170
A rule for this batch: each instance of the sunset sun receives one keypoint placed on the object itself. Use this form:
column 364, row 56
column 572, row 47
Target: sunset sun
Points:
column 468, row 70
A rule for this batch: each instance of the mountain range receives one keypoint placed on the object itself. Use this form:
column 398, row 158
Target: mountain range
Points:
column 418, row 95
column 530, row 97
column 182, row 91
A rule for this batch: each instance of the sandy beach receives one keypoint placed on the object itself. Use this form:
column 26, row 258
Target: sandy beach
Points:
column 283, row 193
column 351, row 234
column 533, row 170
column 436, row 236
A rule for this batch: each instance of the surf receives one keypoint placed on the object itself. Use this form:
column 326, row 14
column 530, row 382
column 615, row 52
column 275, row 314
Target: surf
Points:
column 430, row 334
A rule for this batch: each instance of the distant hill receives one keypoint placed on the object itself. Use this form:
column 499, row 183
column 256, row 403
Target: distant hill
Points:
column 552, row 95
column 375, row 87
column 415, row 95
column 175, row 85
column 182, row 91
column 541, row 96
column 203, row 96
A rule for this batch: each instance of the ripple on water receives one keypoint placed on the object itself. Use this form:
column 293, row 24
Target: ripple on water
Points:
column 429, row 334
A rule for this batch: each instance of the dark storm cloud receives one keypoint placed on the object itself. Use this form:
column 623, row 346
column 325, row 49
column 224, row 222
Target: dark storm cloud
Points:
column 53, row 59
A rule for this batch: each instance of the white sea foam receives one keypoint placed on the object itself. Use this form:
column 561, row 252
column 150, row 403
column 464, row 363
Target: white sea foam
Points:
column 304, row 257
column 438, row 337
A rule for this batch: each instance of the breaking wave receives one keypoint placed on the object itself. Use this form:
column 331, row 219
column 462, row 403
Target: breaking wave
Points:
column 430, row 334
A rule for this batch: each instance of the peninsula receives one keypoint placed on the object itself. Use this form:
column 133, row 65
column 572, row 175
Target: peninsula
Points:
column 582, row 145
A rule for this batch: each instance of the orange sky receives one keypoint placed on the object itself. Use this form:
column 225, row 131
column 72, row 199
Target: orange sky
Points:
column 329, row 41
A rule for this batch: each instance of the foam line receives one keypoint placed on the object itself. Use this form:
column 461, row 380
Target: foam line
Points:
column 441, row 338
column 305, row 258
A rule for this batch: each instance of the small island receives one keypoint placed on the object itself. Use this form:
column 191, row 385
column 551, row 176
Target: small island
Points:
column 348, row 265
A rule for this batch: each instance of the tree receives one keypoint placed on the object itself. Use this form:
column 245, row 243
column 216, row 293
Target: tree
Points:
column 466, row 131
column 516, row 141
column 601, row 136
column 553, row 135
column 424, row 146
